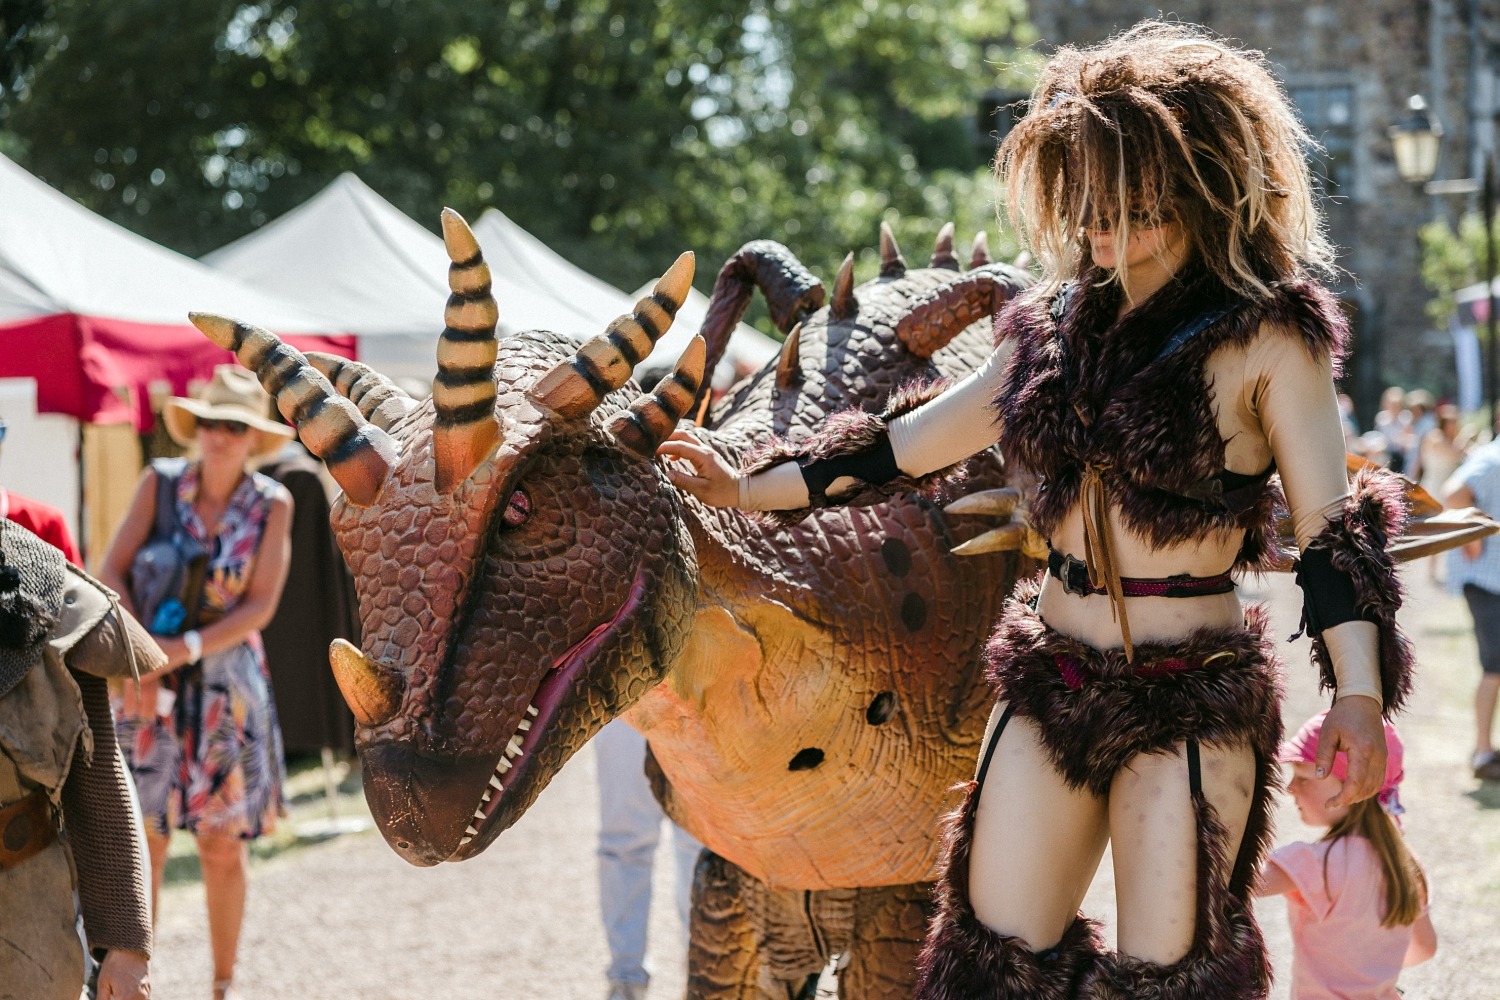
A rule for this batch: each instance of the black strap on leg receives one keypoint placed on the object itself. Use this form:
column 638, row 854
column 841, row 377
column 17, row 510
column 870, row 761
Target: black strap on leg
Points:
column 1195, row 770
column 989, row 751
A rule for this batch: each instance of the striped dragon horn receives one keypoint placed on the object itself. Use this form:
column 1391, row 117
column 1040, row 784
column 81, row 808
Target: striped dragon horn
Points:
column 380, row 401
column 603, row 364
column 359, row 455
column 654, row 415
column 465, row 429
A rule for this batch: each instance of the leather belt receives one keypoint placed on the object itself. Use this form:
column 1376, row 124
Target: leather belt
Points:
column 1073, row 574
column 27, row 827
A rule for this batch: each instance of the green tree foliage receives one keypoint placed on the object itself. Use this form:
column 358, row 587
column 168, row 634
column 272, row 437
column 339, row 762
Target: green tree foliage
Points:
column 1451, row 261
column 620, row 131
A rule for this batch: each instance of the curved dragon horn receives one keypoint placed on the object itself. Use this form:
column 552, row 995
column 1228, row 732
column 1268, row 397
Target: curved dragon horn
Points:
column 892, row 264
column 980, row 255
column 937, row 318
column 603, row 364
column 380, row 401
column 942, row 249
column 788, row 371
column 844, row 305
column 359, row 455
column 465, row 428
column 372, row 691
column 654, row 415
column 791, row 291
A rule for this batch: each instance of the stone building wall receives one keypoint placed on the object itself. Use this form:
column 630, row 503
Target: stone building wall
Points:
column 1351, row 65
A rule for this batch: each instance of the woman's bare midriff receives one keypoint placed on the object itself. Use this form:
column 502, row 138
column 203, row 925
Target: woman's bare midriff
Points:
column 1089, row 617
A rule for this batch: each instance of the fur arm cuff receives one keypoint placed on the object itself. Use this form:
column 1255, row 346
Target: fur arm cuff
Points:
column 845, row 433
column 1355, row 542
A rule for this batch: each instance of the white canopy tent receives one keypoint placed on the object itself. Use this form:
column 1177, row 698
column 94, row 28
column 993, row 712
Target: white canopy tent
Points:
column 356, row 256
column 503, row 240
column 351, row 255
column 96, row 314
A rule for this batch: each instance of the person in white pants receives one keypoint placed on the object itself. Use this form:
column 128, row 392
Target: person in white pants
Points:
column 630, row 823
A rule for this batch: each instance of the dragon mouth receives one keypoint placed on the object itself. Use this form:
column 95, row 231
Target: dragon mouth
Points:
column 544, row 706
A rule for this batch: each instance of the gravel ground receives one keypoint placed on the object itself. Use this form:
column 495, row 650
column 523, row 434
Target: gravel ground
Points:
column 345, row 918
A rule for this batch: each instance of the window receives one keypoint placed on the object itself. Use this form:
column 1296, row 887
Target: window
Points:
column 1328, row 112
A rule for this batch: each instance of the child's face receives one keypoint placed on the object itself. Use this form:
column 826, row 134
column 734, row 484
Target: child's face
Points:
column 1312, row 793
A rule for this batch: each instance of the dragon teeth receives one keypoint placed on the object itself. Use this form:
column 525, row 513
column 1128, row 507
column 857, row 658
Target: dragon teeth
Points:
column 479, row 813
column 513, row 748
column 531, row 710
column 483, row 799
column 470, row 832
column 503, row 766
column 524, row 725
column 466, row 840
column 495, row 783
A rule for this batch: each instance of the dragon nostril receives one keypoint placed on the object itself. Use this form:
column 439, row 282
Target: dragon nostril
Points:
column 881, row 708
column 806, row 759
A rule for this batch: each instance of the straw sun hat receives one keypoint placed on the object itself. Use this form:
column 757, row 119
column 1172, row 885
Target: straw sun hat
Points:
column 232, row 394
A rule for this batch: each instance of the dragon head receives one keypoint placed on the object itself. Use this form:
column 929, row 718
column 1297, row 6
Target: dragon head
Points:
column 522, row 567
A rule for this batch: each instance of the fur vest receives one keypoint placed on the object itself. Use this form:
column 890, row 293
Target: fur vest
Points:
column 1128, row 396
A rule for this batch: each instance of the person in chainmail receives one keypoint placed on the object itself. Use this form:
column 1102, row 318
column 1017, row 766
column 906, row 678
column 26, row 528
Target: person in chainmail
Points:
column 69, row 827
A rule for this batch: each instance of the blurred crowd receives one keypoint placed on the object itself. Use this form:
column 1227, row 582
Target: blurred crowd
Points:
column 1413, row 435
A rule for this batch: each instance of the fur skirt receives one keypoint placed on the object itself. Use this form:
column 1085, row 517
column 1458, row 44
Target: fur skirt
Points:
column 1094, row 712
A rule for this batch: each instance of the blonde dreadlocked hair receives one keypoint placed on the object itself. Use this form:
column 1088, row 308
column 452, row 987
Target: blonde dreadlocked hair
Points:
column 1165, row 123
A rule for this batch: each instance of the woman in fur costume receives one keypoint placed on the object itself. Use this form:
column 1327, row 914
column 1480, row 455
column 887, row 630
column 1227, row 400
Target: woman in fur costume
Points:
column 1175, row 354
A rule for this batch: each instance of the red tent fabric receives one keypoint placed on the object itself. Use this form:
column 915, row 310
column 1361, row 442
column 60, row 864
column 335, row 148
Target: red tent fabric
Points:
column 100, row 370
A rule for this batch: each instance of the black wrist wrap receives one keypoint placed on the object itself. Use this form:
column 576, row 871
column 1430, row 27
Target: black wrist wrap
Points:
column 857, row 444
column 1346, row 574
column 1328, row 596
column 874, row 467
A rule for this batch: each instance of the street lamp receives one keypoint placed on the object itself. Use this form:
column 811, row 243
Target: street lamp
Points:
column 1415, row 140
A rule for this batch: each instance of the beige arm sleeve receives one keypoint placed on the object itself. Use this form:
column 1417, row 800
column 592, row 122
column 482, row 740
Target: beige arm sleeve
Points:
column 938, row 434
column 1291, row 393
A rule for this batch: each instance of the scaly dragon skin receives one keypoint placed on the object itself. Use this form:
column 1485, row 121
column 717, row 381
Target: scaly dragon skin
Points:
column 851, row 640
column 811, row 694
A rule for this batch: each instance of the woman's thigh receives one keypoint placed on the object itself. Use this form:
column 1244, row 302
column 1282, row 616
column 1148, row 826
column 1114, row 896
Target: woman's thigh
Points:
column 1154, row 833
column 1037, row 842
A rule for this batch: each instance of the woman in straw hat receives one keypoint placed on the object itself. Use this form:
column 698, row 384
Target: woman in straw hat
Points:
column 202, row 741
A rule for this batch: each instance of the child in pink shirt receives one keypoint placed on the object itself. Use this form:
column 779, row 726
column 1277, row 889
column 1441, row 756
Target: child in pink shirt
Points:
column 1357, row 899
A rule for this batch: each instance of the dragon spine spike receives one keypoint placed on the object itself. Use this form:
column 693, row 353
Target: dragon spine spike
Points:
column 603, row 364
column 788, row 369
column 1002, row 539
column 980, row 255
column 997, row 503
column 844, row 305
column 359, row 455
column 892, row 264
column 942, row 249
column 372, row 691
column 464, row 429
column 380, row 401
column 653, row 416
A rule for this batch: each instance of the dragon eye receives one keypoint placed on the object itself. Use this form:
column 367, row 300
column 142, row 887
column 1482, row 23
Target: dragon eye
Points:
column 517, row 510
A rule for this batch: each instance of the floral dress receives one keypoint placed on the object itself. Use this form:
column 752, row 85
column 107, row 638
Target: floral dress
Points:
column 211, row 760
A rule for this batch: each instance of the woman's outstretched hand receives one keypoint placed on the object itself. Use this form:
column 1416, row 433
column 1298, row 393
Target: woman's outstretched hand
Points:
column 711, row 481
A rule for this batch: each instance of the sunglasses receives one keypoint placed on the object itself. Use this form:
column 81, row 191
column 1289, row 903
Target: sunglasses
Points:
column 227, row 426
